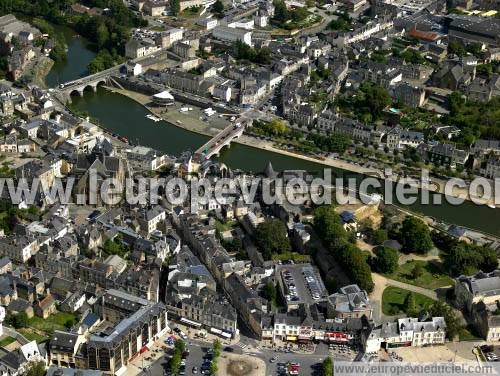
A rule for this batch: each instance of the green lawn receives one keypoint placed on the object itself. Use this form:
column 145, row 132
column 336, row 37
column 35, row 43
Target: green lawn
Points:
column 432, row 277
column 393, row 300
column 6, row 341
column 32, row 336
column 467, row 334
column 294, row 256
column 53, row 322
column 224, row 226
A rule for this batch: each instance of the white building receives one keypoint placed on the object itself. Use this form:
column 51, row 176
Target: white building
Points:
column 229, row 34
column 242, row 24
column 19, row 248
column 261, row 20
column 208, row 23
column 406, row 332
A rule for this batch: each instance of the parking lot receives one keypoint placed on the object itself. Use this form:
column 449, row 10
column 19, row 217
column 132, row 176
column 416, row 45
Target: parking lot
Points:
column 491, row 353
column 301, row 283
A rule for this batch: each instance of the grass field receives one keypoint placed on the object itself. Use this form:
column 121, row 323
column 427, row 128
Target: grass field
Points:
column 467, row 334
column 6, row 341
column 32, row 336
column 432, row 277
column 56, row 321
column 40, row 330
column 393, row 300
column 294, row 256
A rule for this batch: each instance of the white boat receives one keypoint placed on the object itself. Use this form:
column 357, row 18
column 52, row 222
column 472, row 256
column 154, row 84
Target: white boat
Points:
column 152, row 117
column 492, row 206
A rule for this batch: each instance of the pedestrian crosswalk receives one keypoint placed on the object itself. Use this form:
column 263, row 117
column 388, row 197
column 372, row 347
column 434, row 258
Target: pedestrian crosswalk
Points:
column 242, row 345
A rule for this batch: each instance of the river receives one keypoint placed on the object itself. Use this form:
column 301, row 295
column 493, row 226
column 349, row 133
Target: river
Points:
column 77, row 59
column 126, row 117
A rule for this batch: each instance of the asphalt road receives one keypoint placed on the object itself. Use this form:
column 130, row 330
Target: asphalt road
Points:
column 195, row 358
column 310, row 364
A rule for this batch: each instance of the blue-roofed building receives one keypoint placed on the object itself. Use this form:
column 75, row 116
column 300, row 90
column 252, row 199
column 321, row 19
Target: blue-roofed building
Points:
column 457, row 231
column 349, row 220
column 90, row 320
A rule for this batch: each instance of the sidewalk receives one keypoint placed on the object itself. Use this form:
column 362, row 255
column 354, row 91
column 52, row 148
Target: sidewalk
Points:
column 144, row 360
column 210, row 337
column 283, row 346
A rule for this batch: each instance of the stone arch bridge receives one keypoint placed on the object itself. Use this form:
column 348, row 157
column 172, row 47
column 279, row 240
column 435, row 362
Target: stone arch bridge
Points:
column 79, row 86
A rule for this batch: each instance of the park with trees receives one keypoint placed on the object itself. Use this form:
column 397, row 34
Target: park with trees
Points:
column 328, row 226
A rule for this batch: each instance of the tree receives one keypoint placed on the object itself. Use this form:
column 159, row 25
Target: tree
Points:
column 70, row 323
column 356, row 267
column 102, row 36
column 35, row 369
column 463, row 258
column 213, row 366
column 330, row 284
column 58, row 52
column 488, row 259
column 415, row 235
column 417, row 271
column 20, row 320
column 175, row 362
column 218, row 7
column 270, row 293
column 387, row 259
column 216, row 348
column 328, row 226
column 180, row 346
column 114, row 247
column 328, row 367
column 376, row 99
column 271, row 238
column 278, row 127
column 410, row 305
column 379, row 236
column 175, row 7
column 441, row 309
column 281, row 13
column 456, row 48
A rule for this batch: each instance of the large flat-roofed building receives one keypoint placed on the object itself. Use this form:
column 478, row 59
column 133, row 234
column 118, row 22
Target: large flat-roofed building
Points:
column 472, row 29
column 230, row 34
column 137, row 323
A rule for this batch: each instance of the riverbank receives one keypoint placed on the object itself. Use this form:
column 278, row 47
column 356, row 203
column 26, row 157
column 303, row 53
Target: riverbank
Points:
column 41, row 71
column 190, row 121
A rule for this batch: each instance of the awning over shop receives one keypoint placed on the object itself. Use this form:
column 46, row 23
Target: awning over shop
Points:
column 189, row 322
column 291, row 338
column 226, row 335
column 337, row 337
column 215, row 331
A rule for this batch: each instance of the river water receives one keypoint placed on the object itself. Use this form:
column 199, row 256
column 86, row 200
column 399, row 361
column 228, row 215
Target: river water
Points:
column 77, row 58
column 126, row 117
